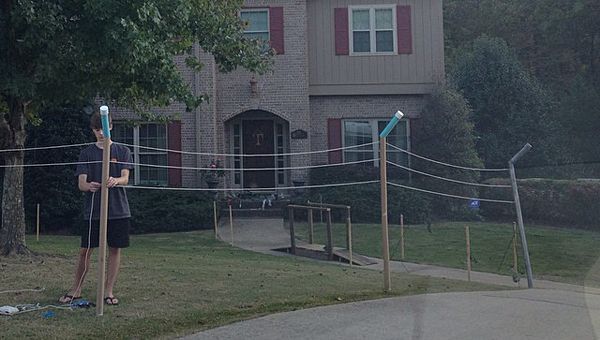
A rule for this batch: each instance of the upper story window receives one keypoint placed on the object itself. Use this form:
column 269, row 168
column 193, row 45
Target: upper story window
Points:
column 373, row 29
column 257, row 26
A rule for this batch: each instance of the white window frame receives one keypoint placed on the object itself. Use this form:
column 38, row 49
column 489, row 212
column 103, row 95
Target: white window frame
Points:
column 374, row 123
column 136, row 152
column 372, row 30
column 268, row 31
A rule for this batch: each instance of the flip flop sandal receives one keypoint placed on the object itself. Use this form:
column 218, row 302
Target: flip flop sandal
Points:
column 68, row 299
column 111, row 300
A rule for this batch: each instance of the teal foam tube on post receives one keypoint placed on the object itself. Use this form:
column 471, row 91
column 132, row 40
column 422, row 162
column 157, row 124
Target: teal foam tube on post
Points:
column 105, row 122
column 397, row 116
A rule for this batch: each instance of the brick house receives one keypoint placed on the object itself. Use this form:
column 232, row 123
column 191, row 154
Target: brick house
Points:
column 342, row 68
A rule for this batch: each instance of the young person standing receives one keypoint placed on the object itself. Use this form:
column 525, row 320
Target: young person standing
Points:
column 89, row 177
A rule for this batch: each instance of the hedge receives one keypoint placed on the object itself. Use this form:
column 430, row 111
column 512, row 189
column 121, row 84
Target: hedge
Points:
column 564, row 203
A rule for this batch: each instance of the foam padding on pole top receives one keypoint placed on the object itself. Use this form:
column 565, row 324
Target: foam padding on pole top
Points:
column 397, row 116
column 105, row 121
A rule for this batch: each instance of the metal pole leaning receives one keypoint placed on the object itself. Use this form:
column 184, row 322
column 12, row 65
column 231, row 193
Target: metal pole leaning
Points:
column 515, row 190
column 387, row 282
column 103, row 210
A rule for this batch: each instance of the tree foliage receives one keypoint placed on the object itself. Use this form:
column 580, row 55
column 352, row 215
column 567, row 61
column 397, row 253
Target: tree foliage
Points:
column 66, row 52
column 510, row 107
column 445, row 133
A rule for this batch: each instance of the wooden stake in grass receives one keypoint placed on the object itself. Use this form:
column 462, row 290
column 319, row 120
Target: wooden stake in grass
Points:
column 402, row 237
column 231, row 223
column 37, row 224
column 515, row 248
column 468, row 238
column 311, row 227
column 349, row 234
column 215, row 217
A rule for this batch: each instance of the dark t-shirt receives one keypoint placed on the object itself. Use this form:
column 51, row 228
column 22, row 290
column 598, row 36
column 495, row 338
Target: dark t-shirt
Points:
column 118, row 207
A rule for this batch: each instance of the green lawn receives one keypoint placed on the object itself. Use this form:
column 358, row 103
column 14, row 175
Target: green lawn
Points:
column 565, row 255
column 176, row 284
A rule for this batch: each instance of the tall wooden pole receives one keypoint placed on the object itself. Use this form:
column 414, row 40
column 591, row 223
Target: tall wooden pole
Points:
column 387, row 282
column 385, row 246
column 103, row 211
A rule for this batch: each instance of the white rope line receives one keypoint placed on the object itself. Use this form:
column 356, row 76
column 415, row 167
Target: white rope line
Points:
column 23, row 290
column 449, row 179
column 250, row 189
column 190, row 168
column 442, row 163
column 246, row 155
column 47, row 147
column 46, row 164
column 248, row 169
column 448, row 195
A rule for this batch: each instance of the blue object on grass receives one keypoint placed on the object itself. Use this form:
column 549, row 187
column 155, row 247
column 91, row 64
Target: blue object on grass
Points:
column 48, row 314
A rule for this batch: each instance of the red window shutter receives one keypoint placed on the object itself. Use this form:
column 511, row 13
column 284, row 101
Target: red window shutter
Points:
column 342, row 40
column 334, row 139
column 276, row 29
column 174, row 158
column 404, row 30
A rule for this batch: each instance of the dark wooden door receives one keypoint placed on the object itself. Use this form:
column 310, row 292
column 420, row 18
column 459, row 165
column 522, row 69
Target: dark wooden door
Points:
column 258, row 138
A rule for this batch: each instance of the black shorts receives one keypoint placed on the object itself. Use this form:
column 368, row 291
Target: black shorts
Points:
column 117, row 235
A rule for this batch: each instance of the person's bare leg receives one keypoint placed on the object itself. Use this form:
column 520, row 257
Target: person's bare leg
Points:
column 83, row 265
column 114, row 260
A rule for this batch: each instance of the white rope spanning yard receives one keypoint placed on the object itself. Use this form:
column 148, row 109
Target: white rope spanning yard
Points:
column 449, row 179
column 442, row 163
column 45, row 164
column 449, row 195
column 252, row 189
column 246, row 155
column 47, row 147
column 249, row 169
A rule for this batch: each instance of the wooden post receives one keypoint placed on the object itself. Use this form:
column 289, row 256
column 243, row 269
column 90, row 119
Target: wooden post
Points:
column 215, row 218
column 311, row 228
column 515, row 248
column 103, row 211
column 37, row 223
column 349, row 235
column 385, row 247
column 468, row 253
column 292, row 234
column 231, row 223
column 402, row 236
column 329, row 237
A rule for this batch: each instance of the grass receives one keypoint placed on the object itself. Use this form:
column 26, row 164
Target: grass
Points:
column 181, row 283
column 564, row 255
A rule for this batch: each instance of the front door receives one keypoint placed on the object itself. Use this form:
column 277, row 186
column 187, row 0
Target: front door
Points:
column 258, row 138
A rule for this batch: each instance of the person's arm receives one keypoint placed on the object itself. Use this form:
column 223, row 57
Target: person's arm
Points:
column 85, row 186
column 123, row 180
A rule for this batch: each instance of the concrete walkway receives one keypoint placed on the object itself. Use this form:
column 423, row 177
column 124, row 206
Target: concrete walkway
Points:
column 551, row 311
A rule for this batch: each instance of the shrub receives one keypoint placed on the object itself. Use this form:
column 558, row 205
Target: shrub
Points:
column 169, row 211
column 365, row 199
column 565, row 203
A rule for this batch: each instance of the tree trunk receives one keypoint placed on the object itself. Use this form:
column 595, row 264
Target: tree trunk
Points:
column 12, row 230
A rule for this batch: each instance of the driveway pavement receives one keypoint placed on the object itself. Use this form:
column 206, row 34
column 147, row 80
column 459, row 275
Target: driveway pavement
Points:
column 550, row 311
